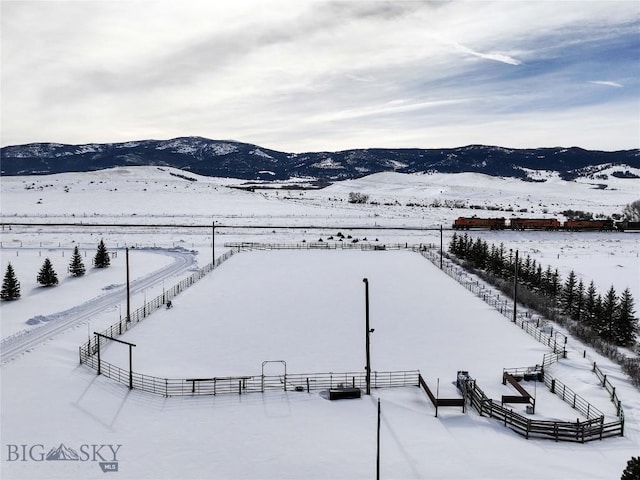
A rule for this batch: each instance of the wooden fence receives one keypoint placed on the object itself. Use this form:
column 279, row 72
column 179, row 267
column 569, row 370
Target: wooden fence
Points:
column 612, row 391
column 440, row 402
column 585, row 431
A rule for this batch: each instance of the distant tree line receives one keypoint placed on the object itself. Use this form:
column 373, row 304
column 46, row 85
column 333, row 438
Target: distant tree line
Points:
column 603, row 321
column 47, row 276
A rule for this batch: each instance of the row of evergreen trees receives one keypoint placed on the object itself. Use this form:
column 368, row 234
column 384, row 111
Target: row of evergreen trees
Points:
column 47, row 276
column 611, row 317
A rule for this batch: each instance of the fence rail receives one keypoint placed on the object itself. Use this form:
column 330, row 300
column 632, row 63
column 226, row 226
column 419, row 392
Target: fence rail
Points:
column 123, row 325
column 328, row 245
column 170, row 387
column 591, row 429
column 585, row 431
column 612, row 391
column 542, row 333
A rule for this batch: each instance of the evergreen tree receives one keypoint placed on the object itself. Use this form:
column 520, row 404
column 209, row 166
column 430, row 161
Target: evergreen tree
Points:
column 568, row 294
column 607, row 318
column 625, row 322
column 590, row 306
column 579, row 306
column 10, row 285
column 525, row 271
column 494, row 262
column 76, row 266
column 101, row 260
column 47, row 276
column 597, row 316
column 537, row 279
column 453, row 245
column 555, row 283
column 632, row 470
column 547, row 281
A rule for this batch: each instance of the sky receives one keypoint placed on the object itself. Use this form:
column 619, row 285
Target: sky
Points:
column 307, row 75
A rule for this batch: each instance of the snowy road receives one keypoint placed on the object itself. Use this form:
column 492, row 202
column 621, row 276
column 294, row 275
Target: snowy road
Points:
column 13, row 346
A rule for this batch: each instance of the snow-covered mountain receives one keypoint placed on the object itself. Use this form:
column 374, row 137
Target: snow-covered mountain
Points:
column 250, row 162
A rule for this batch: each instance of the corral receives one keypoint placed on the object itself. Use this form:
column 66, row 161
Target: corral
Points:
column 592, row 427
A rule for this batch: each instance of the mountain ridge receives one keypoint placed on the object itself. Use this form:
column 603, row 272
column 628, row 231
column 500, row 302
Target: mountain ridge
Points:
column 228, row 158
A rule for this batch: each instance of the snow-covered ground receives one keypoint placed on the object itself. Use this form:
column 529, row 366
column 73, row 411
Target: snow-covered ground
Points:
column 304, row 307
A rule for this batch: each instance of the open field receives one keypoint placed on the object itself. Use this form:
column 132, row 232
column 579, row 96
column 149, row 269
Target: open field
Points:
column 305, row 307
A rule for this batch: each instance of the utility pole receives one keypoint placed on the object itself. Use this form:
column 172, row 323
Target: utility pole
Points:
column 378, row 446
column 128, row 288
column 515, row 288
column 368, row 331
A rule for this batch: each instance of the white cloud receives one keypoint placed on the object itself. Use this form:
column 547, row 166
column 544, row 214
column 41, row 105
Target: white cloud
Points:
column 606, row 83
column 314, row 74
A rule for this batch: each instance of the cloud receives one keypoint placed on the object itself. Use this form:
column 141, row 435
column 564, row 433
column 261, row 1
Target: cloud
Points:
column 497, row 57
column 606, row 83
column 316, row 74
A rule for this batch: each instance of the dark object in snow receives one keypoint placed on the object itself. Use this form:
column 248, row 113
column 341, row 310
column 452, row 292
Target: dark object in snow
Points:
column 169, row 304
column 344, row 392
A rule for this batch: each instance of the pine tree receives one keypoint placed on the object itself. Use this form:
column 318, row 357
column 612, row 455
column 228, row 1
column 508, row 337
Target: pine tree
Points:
column 526, row 270
column 625, row 322
column 590, row 306
column 555, row 283
column 632, row 470
column 10, row 285
column 453, row 245
column 607, row 318
column 578, row 311
column 568, row 294
column 47, row 276
column 76, row 266
column 537, row 278
column 101, row 260
column 547, row 281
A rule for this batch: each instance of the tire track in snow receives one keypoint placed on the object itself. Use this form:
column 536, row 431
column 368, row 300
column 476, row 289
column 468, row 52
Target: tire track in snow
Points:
column 14, row 346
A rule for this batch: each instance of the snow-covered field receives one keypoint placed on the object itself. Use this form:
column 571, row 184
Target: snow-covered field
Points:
column 304, row 307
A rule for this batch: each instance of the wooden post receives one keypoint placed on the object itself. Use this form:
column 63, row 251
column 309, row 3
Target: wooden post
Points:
column 98, row 345
column 130, row 367
column 213, row 244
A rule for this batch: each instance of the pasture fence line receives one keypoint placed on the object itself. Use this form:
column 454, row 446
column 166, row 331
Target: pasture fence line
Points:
column 243, row 384
column 538, row 329
column 325, row 245
column 593, row 428
column 611, row 389
column 123, row 325
column 533, row 325
column 573, row 399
